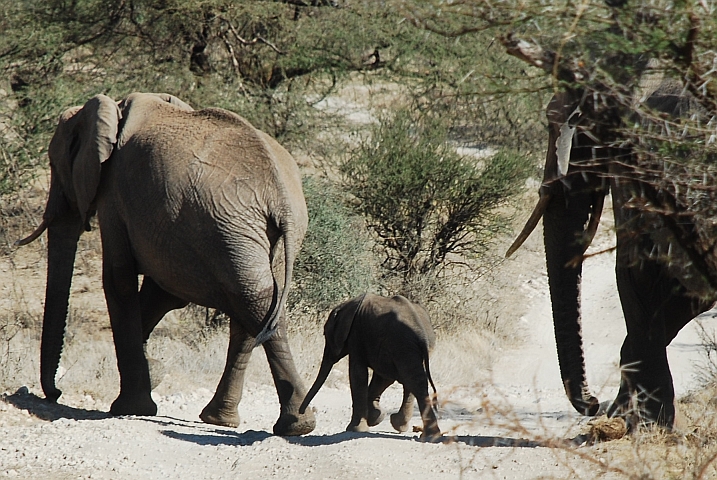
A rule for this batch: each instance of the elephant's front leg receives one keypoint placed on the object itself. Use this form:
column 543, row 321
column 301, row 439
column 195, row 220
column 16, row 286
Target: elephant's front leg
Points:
column 222, row 408
column 655, row 308
column 378, row 385
column 646, row 395
column 120, row 284
column 358, row 379
column 289, row 387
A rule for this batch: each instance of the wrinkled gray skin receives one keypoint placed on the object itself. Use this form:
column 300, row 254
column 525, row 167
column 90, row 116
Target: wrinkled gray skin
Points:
column 392, row 336
column 196, row 201
column 657, row 300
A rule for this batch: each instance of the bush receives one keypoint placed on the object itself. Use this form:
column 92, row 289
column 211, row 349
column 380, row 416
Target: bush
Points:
column 335, row 262
column 429, row 206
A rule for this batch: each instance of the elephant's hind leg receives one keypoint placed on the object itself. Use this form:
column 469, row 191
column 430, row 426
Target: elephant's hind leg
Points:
column 415, row 384
column 222, row 408
column 289, row 387
column 249, row 302
column 378, row 385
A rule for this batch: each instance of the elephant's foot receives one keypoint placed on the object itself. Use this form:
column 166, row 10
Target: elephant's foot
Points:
column 360, row 426
column 431, row 433
column 294, row 424
column 642, row 414
column 399, row 422
column 136, row 404
column 431, row 437
column 375, row 416
column 217, row 416
column 52, row 394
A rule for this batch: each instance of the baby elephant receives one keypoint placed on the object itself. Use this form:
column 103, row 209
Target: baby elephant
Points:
column 393, row 337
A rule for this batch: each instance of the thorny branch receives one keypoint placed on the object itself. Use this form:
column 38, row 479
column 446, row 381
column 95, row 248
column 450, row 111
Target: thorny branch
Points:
column 673, row 202
column 254, row 41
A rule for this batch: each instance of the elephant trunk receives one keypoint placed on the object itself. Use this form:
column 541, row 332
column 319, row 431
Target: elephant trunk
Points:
column 565, row 235
column 62, row 247
column 324, row 370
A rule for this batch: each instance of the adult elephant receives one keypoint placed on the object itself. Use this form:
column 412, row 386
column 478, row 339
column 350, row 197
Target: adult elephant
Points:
column 662, row 283
column 197, row 202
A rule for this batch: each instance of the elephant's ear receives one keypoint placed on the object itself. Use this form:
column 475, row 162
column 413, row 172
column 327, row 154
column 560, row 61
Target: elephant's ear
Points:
column 102, row 118
column 83, row 140
column 338, row 326
column 62, row 149
column 336, row 331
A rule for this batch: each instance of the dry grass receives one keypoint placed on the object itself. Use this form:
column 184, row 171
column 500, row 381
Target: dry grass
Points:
column 576, row 452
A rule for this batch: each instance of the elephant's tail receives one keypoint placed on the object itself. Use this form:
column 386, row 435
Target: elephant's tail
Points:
column 272, row 323
column 427, row 363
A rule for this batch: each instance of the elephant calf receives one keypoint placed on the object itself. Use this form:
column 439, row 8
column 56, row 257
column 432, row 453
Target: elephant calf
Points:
column 392, row 336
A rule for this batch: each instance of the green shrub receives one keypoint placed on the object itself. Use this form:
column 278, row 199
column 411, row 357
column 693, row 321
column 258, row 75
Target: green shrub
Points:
column 428, row 205
column 335, row 261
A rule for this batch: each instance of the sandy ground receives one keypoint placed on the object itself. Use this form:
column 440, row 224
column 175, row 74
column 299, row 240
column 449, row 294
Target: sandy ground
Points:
column 505, row 426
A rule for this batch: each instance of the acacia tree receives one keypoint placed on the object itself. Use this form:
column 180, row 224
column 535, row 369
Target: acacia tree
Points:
column 269, row 60
column 614, row 53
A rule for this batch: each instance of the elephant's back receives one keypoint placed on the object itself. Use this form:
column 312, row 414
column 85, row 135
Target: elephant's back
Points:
column 214, row 153
column 213, row 137
column 417, row 318
column 191, row 184
column 401, row 317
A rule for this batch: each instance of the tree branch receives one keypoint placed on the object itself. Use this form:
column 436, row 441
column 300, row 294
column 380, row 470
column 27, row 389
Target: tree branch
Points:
column 311, row 3
column 254, row 41
column 546, row 60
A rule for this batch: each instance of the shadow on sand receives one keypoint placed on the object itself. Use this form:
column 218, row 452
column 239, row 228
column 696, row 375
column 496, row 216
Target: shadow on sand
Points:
column 209, row 435
column 250, row 437
column 48, row 411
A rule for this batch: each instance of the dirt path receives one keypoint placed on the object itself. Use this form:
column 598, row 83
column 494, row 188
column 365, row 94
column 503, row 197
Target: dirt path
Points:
column 503, row 427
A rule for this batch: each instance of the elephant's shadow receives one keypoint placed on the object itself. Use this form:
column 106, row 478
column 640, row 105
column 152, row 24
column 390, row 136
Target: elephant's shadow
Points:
column 44, row 410
column 48, row 411
column 250, row 437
